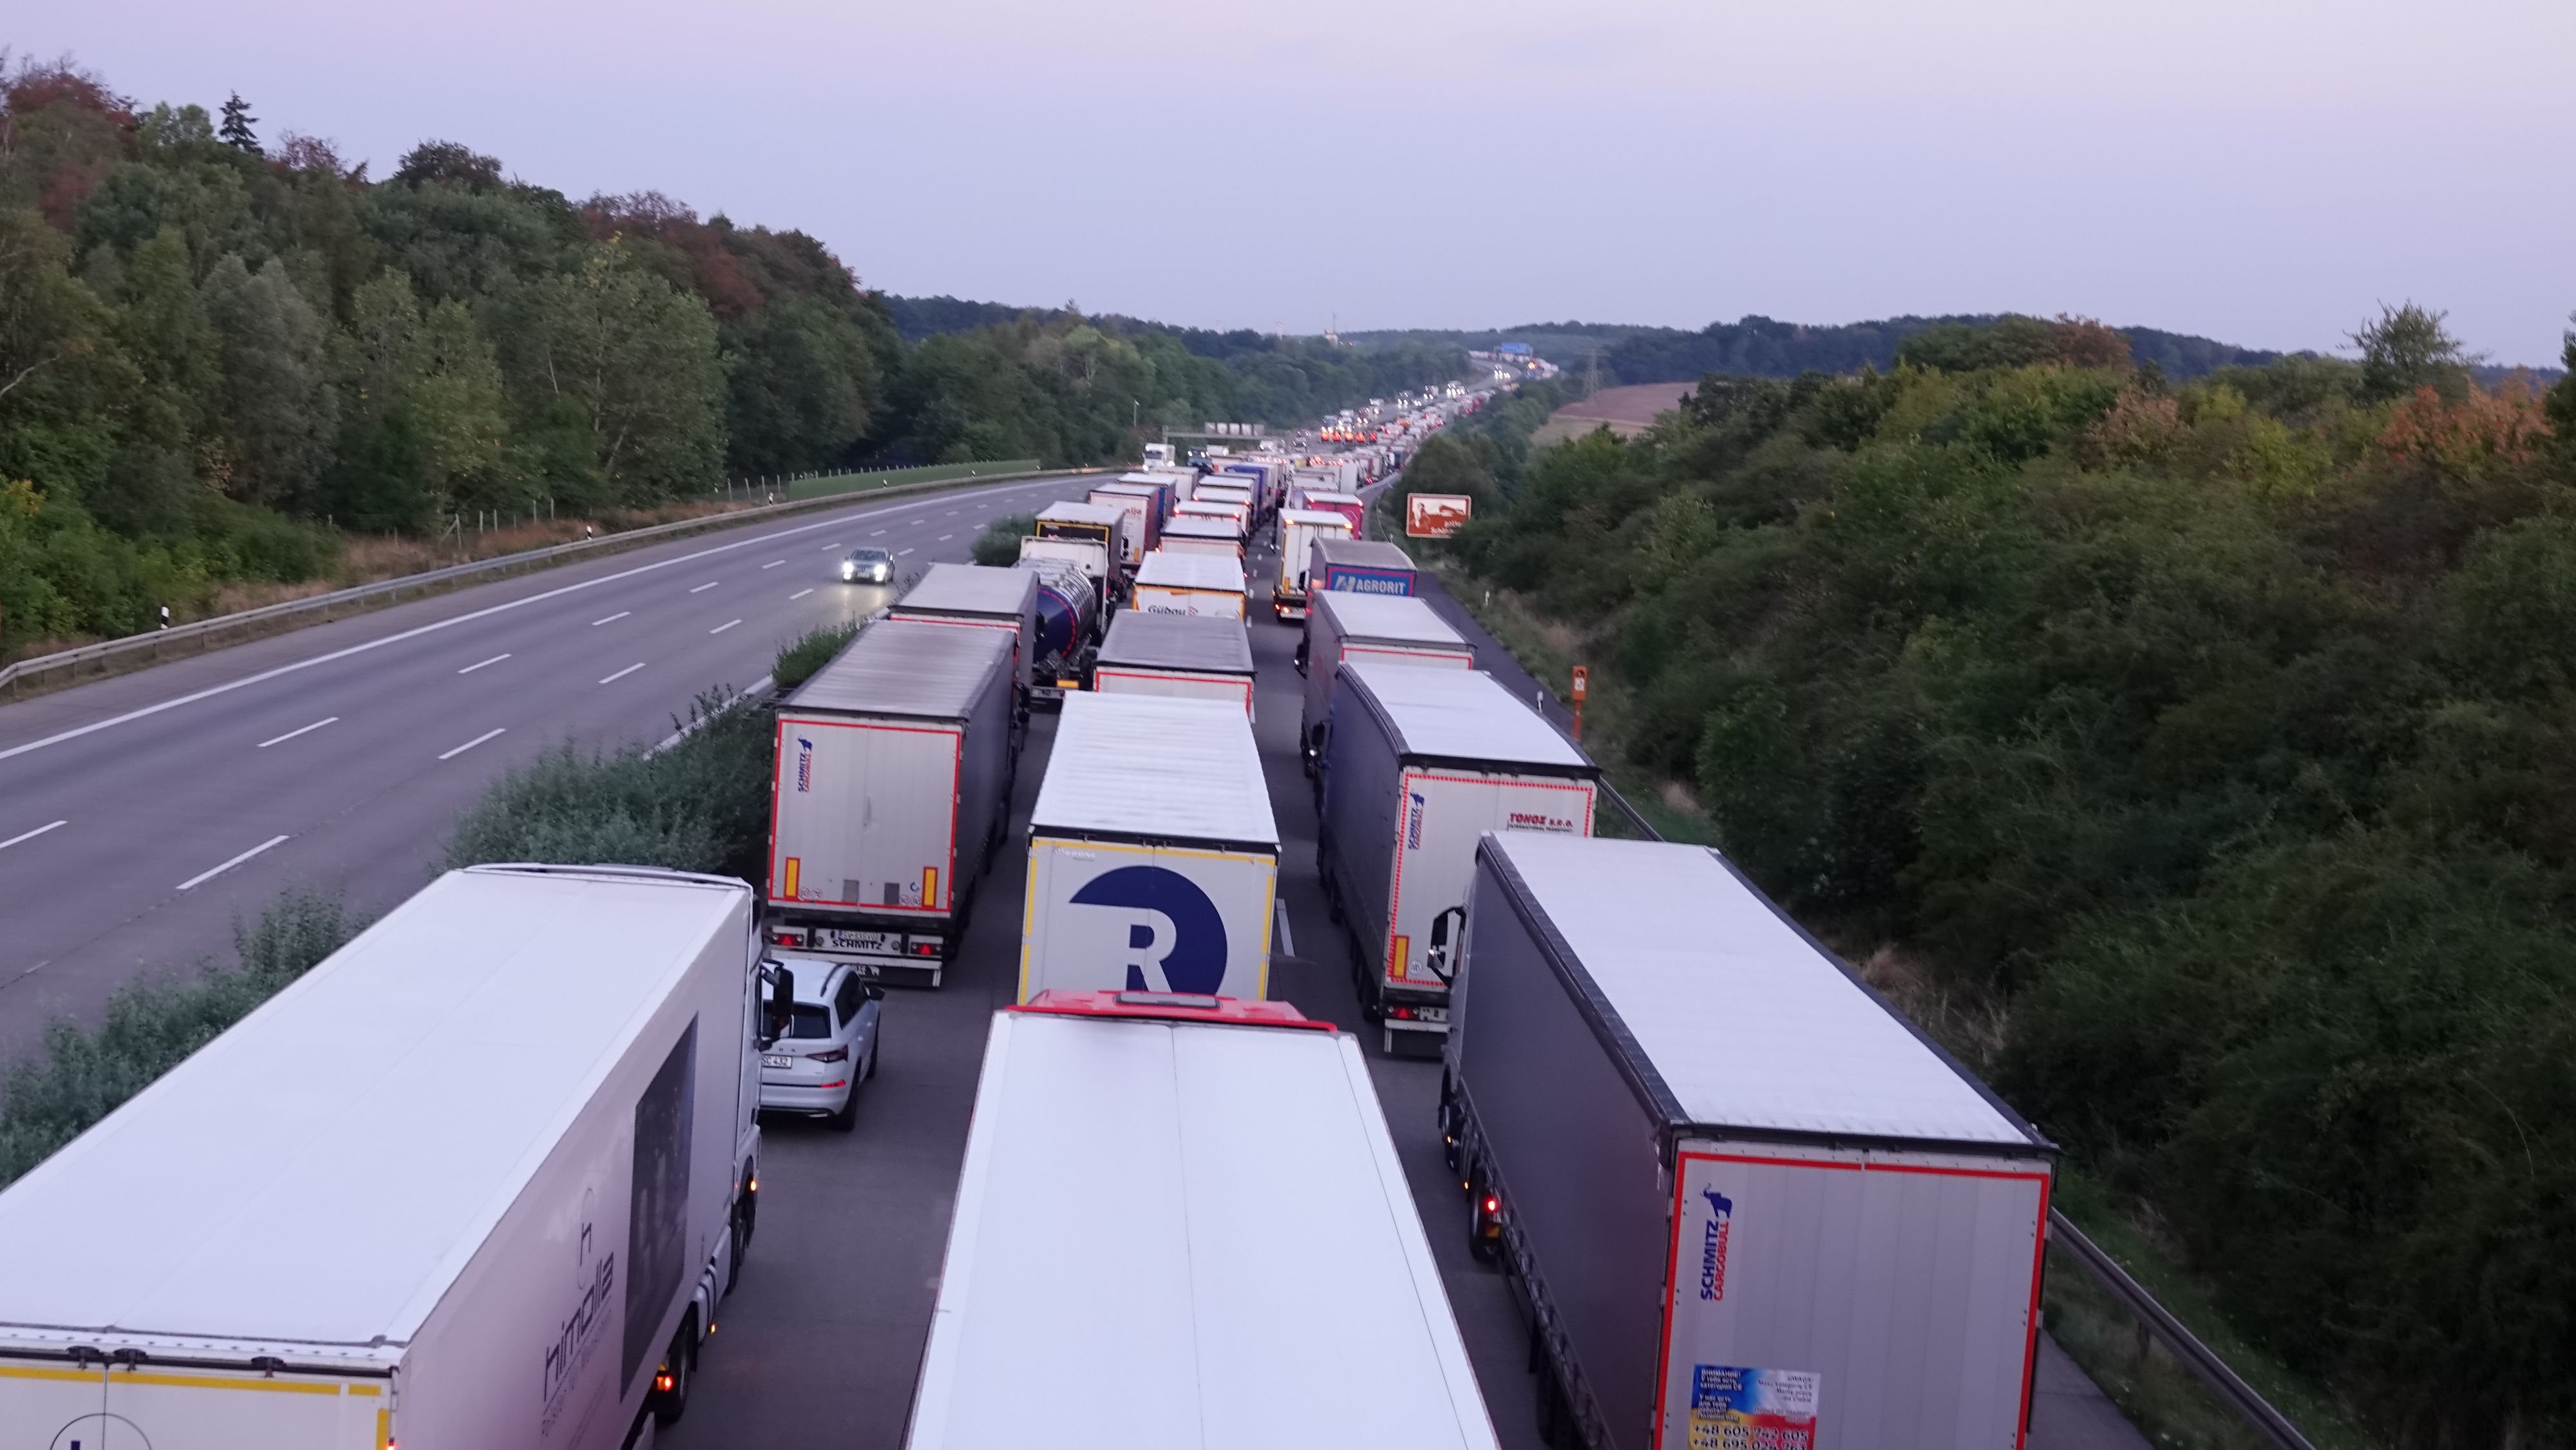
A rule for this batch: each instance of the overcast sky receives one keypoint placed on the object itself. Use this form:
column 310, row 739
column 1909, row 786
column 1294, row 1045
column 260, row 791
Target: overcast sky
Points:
column 2264, row 171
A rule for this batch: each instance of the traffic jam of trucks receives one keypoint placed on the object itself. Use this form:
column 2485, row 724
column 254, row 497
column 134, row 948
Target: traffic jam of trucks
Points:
column 1740, row 1202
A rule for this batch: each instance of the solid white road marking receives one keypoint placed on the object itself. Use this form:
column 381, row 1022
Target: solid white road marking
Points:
column 721, row 628
column 291, row 734
column 799, row 594
column 622, row 674
column 415, row 632
column 202, row 877
column 478, row 664
column 470, row 744
column 612, row 619
column 703, row 588
column 31, row 835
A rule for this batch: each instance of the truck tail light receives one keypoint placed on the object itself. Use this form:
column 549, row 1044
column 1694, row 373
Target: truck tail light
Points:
column 662, row 1380
column 1493, row 1205
column 925, row 949
column 1401, row 1014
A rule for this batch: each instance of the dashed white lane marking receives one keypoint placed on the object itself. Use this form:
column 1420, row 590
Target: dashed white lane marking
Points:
column 622, row 674
column 721, row 628
column 202, row 877
column 612, row 619
column 478, row 664
column 799, row 594
column 291, row 734
column 31, row 835
column 470, row 744
column 774, row 563
column 703, row 588
column 899, row 553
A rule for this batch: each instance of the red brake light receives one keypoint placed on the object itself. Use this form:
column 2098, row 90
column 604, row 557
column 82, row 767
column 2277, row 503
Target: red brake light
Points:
column 663, row 1381
column 1493, row 1204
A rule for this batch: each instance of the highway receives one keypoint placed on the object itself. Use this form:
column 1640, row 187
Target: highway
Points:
column 338, row 757
column 141, row 816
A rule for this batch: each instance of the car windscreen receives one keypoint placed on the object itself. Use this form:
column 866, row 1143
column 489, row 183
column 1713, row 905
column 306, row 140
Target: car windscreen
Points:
column 868, row 556
column 811, row 1021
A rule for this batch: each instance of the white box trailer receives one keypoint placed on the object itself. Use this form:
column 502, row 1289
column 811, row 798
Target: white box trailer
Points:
column 1197, row 534
column 1193, row 656
column 1343, row 626
column 1746, row 1198
column 1231, row 1255
column 1170, row 583
column 1299, row 528
column 892, row 782
column 1419, row 764
column 1104, row 527
column 471, row 1183
column 1233, row 511
column 1153, row 856
column 976, row 597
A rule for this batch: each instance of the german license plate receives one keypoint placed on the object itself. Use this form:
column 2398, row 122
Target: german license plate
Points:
column 774, row 1060
column 1432, row 1014
column 863, row 941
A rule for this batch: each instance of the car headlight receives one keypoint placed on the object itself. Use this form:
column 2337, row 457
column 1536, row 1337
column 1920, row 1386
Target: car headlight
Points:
column 848, row 573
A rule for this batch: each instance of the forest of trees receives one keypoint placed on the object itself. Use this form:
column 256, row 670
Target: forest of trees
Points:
column 221, row 352
column 2214, row 736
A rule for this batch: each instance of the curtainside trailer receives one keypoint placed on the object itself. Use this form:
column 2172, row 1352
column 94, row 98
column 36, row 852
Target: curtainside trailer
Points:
column 1361, row 566
column 1419, row 764
column 975, row 596
column 1153, row 856
column 1192, row 655
column 1342, row 627
column 477, row 1181
column 1299, row 528
column 1181, row 1222
column 1747, row 1203
column 1172, row 583
column 893, row 771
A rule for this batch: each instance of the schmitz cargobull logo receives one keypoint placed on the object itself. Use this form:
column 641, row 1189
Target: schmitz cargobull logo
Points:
column 1712, row 1246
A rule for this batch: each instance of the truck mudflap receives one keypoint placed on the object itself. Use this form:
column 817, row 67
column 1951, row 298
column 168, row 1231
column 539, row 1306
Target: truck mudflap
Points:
column 904, row 957
column 1412, row 1011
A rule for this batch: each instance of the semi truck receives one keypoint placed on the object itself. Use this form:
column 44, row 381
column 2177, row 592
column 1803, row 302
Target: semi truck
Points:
column 1172, row 583
column 1350, row 506
column 1419, row 764
column 477, row 1181
column 1189, row 534
column 1343, row 627
column 893, row 770
column 1196, row 656
column 1747, row 1202
column 1231, row 1255
column 1361, row 566
column 1153, row 855
column 1146, row 501
column 1298, row 530
column 1068, row 623
column 975, row 596
column 1226, row 507
column 1090, row 536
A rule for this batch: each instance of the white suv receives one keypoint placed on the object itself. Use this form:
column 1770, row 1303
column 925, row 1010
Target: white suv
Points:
column 817, row 1050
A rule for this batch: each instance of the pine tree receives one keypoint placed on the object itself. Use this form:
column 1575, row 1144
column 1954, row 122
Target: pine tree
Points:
column 236, row 131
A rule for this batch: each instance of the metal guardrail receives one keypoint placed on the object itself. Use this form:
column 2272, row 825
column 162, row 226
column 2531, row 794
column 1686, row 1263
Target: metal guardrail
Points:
column 2226, row 1384
column 204, row 634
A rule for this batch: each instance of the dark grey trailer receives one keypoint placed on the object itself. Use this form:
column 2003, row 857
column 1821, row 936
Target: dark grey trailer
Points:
column 977, row 597
column 893, row 771
column 1342, row 627
column 1419, row 765
column 1746, row 1201
column 1196, row 655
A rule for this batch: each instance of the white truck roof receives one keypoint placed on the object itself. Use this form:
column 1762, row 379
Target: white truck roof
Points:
column 1142, row 638
column 1316, row 518
column 1230, row 1254
column 1461, row 715
column 1154, row 767
column 971, row 589
column 1200, row 526
column 902, row 667
column 1190, row 571
column 1748, row 1022
column 1396, row 618
column 1071, row 511
column 321, row 1174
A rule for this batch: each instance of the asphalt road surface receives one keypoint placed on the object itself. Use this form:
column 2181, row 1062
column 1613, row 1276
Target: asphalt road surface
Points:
column 821, row 1342
column 141, row 816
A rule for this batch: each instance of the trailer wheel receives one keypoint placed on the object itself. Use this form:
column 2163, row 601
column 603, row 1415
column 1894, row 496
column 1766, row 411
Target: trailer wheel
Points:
column 679, row 1366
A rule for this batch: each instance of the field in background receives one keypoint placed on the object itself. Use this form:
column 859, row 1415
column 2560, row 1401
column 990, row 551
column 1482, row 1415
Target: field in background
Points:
column 1625, row 411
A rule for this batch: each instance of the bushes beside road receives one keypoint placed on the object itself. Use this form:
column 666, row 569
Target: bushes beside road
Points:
column 85, row 1073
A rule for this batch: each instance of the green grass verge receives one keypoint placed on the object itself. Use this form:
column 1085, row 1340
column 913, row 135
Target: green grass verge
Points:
column 839, row 483
column 800, row 657
column 85, row 1073
column 999, row 544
